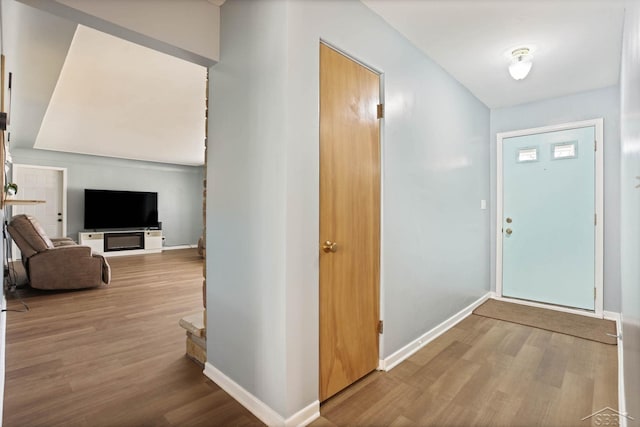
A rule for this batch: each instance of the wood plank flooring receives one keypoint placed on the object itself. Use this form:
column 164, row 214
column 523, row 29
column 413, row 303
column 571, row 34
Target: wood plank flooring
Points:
column 485, row 372
column 114, row 356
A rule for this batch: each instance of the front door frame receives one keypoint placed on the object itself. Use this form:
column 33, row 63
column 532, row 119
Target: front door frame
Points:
column 599, row 211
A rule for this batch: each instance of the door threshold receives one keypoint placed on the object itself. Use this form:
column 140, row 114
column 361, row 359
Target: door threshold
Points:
column 587, row 313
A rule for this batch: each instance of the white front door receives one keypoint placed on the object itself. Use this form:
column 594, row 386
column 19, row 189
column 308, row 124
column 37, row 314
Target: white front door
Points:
column 548, row 228
column 42, row 183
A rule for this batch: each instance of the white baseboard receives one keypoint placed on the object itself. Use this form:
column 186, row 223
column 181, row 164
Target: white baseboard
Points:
column 130, row 252
column 246, row 399
column 612, row 315
column 173, row 248
column 304, row 416
column 257, row 407
column 622, row 400
column 390, row 362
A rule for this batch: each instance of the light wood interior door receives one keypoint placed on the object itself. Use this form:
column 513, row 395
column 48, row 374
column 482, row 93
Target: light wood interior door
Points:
column 349, row 221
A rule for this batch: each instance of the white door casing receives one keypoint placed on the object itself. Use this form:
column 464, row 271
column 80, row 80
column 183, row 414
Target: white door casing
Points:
column 42, row 183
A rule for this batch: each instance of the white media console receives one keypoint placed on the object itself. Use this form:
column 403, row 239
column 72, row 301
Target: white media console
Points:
column 130, row 242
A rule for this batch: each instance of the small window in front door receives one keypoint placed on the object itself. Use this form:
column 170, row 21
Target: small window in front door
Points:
column 564, row 150
column 527, row 155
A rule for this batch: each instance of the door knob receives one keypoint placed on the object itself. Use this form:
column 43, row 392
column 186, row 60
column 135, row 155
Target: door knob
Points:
column 508, row 231
column 329, row 246
column 509, row 220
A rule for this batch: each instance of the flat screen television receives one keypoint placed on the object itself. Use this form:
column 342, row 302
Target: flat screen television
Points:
column 108, row 209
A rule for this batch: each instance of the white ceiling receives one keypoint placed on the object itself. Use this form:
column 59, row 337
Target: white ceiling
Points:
column 118, row 99
column 578, row 43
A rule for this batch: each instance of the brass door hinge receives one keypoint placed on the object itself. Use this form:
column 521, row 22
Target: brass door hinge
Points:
column 380, row 326
column 595, row 219
column 380, row 111
column 595, row 145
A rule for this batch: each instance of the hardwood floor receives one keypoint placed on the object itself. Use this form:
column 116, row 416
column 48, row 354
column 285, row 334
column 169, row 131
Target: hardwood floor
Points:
column 485, row 372
column 114, row 356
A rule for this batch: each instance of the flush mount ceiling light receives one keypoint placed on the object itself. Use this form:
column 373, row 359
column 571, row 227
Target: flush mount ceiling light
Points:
column 520, row 63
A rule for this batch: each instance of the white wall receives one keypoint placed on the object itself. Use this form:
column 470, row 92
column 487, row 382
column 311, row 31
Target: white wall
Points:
column 630, row 197
column 36, row 45
column 53, row 76
column 185, row 29
column 193, row 26
column 582, row 106
column 179, row 188
column 262, row 214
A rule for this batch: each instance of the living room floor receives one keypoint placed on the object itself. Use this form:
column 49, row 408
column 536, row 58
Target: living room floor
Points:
column 114, row 355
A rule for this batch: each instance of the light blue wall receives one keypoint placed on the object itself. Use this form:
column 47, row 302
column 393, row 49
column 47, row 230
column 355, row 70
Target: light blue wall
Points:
column 582, row 106
column 262, row 215
column 246, row 210
column 630, row 197
column 179, row 188
column 435, row 168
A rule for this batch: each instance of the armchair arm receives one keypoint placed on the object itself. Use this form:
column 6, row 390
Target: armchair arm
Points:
column 62, row 241
column 65, row 267
column 106, row 268
column 65, row 251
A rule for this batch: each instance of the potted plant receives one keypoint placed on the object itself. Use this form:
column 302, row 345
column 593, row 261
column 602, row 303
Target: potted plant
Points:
column 10, row 190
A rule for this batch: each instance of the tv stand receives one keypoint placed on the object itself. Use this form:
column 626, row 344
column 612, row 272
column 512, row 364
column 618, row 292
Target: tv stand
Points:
column 125, row 242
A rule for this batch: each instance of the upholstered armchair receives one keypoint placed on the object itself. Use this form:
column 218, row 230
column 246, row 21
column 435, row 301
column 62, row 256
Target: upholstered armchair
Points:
column 57, row 263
